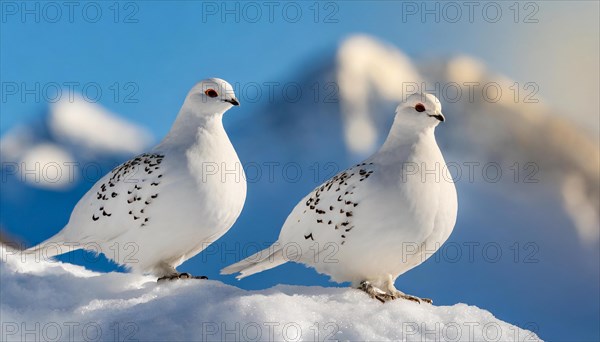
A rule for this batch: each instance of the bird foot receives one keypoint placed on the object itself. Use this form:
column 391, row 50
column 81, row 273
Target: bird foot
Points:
column 382, row 296
column 402, row 295
column 374, row 292
column 177, row 276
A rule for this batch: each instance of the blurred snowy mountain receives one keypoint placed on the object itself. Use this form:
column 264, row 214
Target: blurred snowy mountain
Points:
column 527, row 231
column 491, row 119
column 72, row 133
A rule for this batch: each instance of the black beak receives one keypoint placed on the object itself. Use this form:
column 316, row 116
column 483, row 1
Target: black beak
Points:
column 233, row 101
column 439, row 117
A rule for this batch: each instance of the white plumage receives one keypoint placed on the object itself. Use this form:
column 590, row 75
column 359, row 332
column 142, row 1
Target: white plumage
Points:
column 378, row 219
column 163, row 207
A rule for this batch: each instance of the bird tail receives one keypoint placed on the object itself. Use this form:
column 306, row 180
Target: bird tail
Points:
column 258, row 262
column 56, row 245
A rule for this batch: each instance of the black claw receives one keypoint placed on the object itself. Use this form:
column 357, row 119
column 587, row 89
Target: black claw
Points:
column 177, row 276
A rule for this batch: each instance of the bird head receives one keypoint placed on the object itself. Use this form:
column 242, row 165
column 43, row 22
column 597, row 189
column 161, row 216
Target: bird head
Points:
column 420, row 110
column 214, row 95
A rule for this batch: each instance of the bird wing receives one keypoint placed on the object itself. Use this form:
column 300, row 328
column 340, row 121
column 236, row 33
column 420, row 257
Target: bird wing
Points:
column 326, row 214
column 117, row 202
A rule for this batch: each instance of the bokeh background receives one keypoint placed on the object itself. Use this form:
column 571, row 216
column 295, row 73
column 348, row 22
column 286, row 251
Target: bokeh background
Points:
column 89, row 84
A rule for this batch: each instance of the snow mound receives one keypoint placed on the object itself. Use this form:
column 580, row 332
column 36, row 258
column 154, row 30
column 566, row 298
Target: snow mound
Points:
column 48, row 300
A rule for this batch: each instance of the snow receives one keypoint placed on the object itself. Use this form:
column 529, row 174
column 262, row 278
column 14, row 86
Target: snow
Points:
column 582, row 209
column 15, row 142
column 50, row 300
column 87, row 124
column 50, row 152
column 364, row 63
column 567, row 159
column 44, row 166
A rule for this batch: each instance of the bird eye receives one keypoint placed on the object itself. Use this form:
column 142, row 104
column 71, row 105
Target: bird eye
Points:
column 211, row 93
column 420, row 107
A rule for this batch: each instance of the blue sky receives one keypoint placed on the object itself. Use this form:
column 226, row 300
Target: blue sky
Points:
column 171, row 45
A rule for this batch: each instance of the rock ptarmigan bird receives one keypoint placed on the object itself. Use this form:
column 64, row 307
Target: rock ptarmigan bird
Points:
column 161, row 208
column 378, row 219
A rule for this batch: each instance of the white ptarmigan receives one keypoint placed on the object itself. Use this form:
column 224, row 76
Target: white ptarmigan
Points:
column 161, row 208
column 378, row 219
